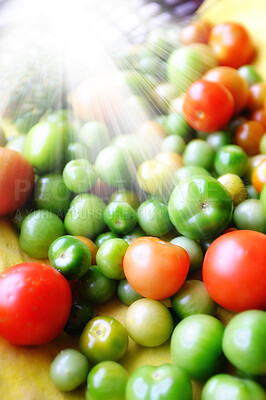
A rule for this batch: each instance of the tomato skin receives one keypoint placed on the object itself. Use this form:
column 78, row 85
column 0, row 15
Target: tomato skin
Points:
column 35, row 303
column 16, row 180
column 155, row 269
column 258, row 177
column 234, row 270
column 231, row 44
column 208, row 106
column 248, row 136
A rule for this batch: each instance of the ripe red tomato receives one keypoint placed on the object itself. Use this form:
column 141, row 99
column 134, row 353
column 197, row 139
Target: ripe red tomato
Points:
column 155, row 269
column 208, row 106
column 248, row 136
column 231, row 44
column 16, row 180
column 35, row 303
column 234, row 270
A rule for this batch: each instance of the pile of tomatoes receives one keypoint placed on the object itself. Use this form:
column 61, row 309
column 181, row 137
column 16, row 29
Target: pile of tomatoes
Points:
column 170, row 218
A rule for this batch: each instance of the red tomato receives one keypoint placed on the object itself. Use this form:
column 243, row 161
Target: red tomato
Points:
column 233, row 81
column 208, row 106
column 35, row 302
column 256, row 96
column 234, row 270
column 231, row 44
column 16, row 180
column 155, row 269
column 248, row 136
column 259, row 116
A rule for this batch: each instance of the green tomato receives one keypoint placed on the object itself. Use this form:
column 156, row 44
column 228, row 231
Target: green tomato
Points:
column 103, row 339
column 106, row 381
column 149, row 322
column 263, row 200
column 244, row 342
column 136, row 149
column 110, row 256
column 200, row 207
column 79, row 176
column 191, row 62
column 69, row 370
column 173, row 143
column 196, row 345
column 96, row 287
column 194, row 251
column 175, row 124
column 136, row 82
column 198, row 153
column 85, row 216
column 227, row 387
column 191, row 170
column 249, row 215
column 81, row 312
column 218, row 139
column 76, row 150
column 112, row 167
column 163, row 94
column 231, row 159
column 249, row 73
column 17, row 143
column 129, row 196
column 38, row 231
column 103, row 237
column 263, row 144
column 120, row 217
column 136, row 233
column 153, row 218
column 126, row 294
column 95, row 136
column 45, row 146
column 235, row 187
column 166, row 382
column 51, row 194
column 191, row 299
column 70, row 256
column 252, row 193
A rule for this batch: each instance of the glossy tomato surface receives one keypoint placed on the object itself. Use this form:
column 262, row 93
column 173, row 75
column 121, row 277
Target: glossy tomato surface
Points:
column 35, row 303
column 154, row 268
column 234, row 270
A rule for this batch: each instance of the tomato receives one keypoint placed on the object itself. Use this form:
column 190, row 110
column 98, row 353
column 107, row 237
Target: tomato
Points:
column 231, row 44
column 234, row 270
column 196, row 32
column 16, row 180
column 35, row 303
column 256, row 96
column 208, row 106
column 154, row 268
column 248, row 136
column 233, row 81
column 258, row 177
column 259, row 116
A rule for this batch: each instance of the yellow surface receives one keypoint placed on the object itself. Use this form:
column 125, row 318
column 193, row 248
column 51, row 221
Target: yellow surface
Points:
column 24, row 371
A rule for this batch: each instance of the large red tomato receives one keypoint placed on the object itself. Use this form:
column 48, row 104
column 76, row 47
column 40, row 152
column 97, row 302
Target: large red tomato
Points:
column 16, row 180
column 35, row 303
column 154, row 268
column 234, row 270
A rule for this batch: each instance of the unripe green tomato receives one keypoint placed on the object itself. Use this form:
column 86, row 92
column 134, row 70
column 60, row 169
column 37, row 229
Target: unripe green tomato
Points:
column 149, row 322
column 69, row 370
column 106, row 381
column 95, row 136
column 175, row 124
column 120, row 217
column 173, row 143
column 196, row 345
column 110, row 256
column 252, row 192
column 249, row 73
column 235, row 186
column 126, row 294
column 38, row 231
column 188, row 171
column 153, row 218
column 263, row 200
column 77, row 150
column 233, row 388
column 133, row 235
column 218, row 139
column 191, row 299
column 244, row 341
column 194, row 251
column 249, row 215
column 79, row 176
column 103, row 339
column 198, row 153
column 129, row 196
column 103, row 237
column 231, row 159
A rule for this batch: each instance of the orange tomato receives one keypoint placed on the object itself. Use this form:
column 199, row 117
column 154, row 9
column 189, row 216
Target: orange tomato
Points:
column 259, row 116
column 16, row 180
column 248, row 136
column 91, row 245
column 233, row 81
column 232, row 45
column 154, row 268
column 196, row 32
column 256, row 96
column 258, row 178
